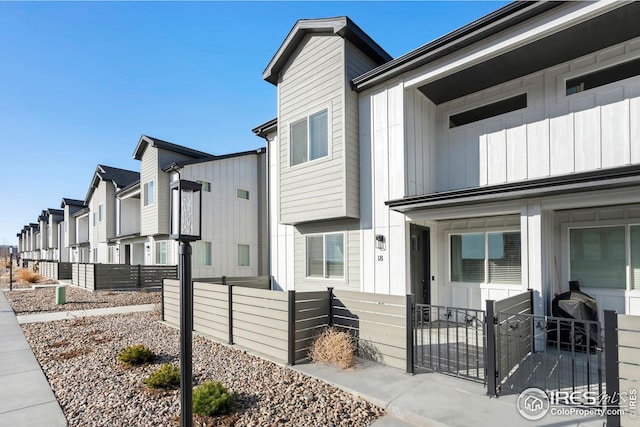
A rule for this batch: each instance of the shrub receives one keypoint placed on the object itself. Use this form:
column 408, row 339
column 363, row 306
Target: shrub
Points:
column 334, row 346
column 167, row 376
column 28, row 276
column 136, row 355
column 212, row 398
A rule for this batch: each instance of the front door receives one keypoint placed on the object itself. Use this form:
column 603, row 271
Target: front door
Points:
column 420, row 264
column 127, row 254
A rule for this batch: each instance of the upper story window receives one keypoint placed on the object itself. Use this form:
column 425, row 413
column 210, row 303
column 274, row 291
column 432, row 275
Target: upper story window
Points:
column 95, row 219
column 206, row 186
column 149, row 195
column 602, row 77
column 243, row 194
column 310, row 138
column 101, row 212
column 486, row 111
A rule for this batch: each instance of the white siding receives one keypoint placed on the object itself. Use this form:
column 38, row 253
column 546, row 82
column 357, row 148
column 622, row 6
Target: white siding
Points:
column 149, row 172
column 555, row 135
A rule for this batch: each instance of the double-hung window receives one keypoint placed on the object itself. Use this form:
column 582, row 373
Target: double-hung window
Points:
column 101, row 212
column 243, row 255
column 325, row 255
column 491, row 257
column 310, row 138
column 161, row 253
column 598, row 256
column 203, row 253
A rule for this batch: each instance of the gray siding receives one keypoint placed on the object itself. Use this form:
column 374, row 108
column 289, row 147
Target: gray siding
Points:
column 313, row 80
column 148, row 172
column 351, row 281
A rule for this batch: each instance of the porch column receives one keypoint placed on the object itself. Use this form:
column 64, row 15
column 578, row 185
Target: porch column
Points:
column 531, row 235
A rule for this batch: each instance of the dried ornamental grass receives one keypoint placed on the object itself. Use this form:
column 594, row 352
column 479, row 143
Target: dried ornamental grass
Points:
column 28, row 276
column 334, row 346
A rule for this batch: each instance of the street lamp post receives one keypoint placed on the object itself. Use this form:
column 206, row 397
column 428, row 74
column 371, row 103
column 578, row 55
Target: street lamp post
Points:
column 10, row 268
column 186, row 210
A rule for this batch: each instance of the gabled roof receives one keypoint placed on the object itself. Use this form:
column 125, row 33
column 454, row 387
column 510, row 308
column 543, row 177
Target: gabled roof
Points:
column 120, row 178
column 179, row 165
column 342, row 26
column 57, row 213
column 129, row 188
column 146, row 141
column 71, row 202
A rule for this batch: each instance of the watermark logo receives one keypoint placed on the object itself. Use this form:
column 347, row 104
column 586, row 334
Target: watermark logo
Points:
column 533, row 404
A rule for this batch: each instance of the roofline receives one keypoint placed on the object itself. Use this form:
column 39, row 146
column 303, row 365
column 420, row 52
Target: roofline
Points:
column 505, row 17
column 341, row 25
column 265, row 128
column 165, row 145
column 127, row 189
column 71, row 202
column 81, row 212
column 179, row 165
column 575, row 183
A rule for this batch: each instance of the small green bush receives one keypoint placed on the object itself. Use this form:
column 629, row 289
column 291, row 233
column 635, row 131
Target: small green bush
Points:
column 136, row 355
column 167, row 376
column 212, row 398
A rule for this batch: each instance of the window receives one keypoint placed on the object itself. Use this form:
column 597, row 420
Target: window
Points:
column 95, row 219
column 598, row 257
column 101, row 212
column 161, row 252
column 492, row 257
column 243, row 194
column 635, row 256
column 488, row 110
column 203, row 253
column 148, row 193
column 206, row 186
column 310, row 138
column 602, row 77
column 325, row 255
column 243, row 255
column 110, row 255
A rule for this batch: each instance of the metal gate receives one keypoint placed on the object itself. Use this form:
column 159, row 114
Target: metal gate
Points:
column 450, row 340
column 550, row 353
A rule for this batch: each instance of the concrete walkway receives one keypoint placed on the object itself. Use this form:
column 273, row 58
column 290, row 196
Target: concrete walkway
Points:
column 26, row 398
column 432, row 399
column 62, row 315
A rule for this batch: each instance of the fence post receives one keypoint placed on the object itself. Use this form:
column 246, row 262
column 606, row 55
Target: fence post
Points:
column 409, row 333
column 229, row 307
column 139, row 281
column 292, row 328
column 611, row 367
column 330, row 319
column 162, row 301
column 491, row 369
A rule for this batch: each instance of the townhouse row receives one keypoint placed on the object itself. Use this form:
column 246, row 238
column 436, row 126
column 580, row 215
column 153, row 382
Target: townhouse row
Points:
column 124, row 217
column 501, row 157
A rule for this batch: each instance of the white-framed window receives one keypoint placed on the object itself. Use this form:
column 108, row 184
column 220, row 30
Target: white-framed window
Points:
column 485, row 257
column 95, row 219
column 325, row 255
column 243, row 255
column 598, row 256
column 310, row 138
column 111, row 255
column 242, row 194
column 206, row 186
column 202, row 253
column 602, row 76
column 95, row 255
column 161, row 253
column 149, row 195
column 101, row 212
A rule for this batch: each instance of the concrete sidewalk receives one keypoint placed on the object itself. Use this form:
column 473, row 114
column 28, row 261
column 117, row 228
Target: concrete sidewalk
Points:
column 62, row 315
column 432, row 399
column 26, row 398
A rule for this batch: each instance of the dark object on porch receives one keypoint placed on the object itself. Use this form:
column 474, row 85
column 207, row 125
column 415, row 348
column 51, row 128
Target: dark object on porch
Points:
column 574, row 304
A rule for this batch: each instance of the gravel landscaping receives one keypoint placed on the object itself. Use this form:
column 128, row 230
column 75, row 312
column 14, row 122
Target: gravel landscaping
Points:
column 28, row 301
column 94, row 389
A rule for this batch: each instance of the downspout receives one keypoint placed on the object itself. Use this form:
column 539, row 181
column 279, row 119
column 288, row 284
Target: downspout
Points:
column 268, row 171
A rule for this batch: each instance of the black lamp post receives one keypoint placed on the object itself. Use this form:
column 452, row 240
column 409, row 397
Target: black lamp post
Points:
column 10, row 268
column 186, row 210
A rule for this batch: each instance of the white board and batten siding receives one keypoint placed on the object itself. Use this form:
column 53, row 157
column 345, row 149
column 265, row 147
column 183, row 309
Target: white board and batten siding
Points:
column 556, row 134
column 228, row 220
column 314, row 79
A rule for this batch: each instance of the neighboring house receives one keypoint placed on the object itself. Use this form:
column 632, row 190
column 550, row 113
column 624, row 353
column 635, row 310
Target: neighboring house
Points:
column 155, row 155
column 68, row 247
column 234, row 213
column 101, row 201
column 81, row 246
column 501, row 157
column 42, row 236
column 55, row 245
column 128, row 242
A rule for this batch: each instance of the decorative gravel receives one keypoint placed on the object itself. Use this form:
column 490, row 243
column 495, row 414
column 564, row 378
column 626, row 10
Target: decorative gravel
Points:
column 94, row 389
column 26, row 301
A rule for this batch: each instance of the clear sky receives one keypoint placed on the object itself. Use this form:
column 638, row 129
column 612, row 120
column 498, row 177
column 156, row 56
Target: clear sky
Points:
column 81, row 81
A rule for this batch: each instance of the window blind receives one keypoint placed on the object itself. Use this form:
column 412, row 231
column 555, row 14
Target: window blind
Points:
column 318, row 135
column 597, row 257
column 504, row 258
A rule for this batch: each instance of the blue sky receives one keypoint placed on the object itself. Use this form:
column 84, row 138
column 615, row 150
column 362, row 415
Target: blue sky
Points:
column 81, row 81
